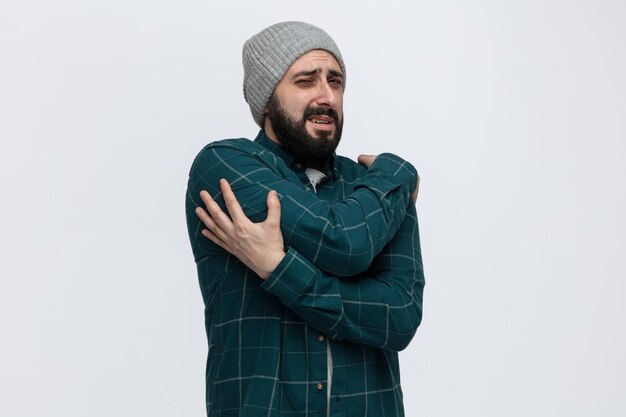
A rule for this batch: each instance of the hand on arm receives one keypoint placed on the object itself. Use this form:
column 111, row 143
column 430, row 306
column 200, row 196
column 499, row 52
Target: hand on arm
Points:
column 381, row 307
column 367, row 160
column 258, row 245
column 340, row 237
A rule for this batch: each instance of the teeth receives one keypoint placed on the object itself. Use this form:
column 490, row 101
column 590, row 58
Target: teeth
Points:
column 319, row 121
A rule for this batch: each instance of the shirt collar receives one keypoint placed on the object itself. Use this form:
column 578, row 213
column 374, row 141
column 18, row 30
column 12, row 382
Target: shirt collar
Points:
column 265, row 141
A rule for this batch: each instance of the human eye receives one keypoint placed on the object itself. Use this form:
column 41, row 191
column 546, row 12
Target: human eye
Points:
column 338, row 82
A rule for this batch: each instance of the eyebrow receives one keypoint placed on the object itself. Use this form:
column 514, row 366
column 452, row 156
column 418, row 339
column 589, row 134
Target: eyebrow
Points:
column 336, row 73
column 306, row 73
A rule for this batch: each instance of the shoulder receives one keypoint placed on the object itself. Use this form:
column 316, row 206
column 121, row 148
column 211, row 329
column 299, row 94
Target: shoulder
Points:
column 242, row 145
column 226, row 149
column 239, row 154
column 348, row 168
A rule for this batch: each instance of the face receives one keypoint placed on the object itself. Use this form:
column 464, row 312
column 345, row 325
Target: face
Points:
column 305, row 113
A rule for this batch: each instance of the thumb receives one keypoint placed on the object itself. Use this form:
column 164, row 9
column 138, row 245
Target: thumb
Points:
column 273, row 209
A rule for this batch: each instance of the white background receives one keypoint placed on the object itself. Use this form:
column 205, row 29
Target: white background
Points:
column 514, row 113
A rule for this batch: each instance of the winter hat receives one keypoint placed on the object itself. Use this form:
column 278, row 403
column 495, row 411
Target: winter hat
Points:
column 268, row 55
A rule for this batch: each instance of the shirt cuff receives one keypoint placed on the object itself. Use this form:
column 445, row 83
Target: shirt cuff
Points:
column 291, row 278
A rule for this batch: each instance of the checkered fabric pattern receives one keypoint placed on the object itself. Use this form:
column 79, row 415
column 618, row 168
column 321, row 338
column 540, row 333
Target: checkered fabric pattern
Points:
column 348, row 293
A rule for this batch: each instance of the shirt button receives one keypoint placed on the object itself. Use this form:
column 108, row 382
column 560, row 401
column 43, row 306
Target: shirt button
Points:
column 321, row 338
column 320, row 386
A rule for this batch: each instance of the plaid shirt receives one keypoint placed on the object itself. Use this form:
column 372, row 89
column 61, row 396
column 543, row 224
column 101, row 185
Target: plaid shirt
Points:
column 346, row 297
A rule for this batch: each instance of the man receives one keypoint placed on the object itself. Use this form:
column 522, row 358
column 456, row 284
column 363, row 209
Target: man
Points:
column 313, row 280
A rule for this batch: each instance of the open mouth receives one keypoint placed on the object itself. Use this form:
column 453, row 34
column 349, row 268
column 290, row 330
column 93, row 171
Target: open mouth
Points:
column 321, row 120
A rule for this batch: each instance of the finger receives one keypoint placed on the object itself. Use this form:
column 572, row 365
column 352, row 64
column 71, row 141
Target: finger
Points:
column 211, row 206
column 232, row 205
column 210, row 224
column 417, row 189
column 205, row 197
column 366, row 160
column 273, row 209
column 214, row 238
column 215, row 212
column 203, row 215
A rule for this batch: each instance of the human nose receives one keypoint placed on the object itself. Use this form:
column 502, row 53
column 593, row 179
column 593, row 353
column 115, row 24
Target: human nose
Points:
column 326, row 95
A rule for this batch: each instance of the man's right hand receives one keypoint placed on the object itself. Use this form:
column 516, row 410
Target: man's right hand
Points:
column 258, row 245
column 368, row 160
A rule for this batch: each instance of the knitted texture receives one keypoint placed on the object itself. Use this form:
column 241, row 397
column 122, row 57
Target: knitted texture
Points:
column 268, row 55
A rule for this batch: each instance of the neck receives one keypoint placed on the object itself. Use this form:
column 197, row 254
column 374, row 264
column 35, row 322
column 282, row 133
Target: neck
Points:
column 269, row 131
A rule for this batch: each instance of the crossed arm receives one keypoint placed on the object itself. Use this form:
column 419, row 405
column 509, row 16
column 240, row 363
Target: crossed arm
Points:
column 340, row 237
column 258, row 245
column 381, row 307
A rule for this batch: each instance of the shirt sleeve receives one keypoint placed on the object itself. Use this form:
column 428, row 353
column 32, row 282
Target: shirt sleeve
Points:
column 381, row 307
column 340, row 237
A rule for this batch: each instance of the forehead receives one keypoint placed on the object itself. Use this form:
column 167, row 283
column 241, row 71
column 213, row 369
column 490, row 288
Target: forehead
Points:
column 315, row 59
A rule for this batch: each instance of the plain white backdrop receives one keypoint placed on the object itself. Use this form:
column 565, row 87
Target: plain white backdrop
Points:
column 514, row 113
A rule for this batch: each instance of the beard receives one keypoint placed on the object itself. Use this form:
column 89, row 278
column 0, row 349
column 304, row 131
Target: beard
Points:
column 296, row 141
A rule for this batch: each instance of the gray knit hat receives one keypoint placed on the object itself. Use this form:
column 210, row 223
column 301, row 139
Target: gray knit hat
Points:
column 268, row 55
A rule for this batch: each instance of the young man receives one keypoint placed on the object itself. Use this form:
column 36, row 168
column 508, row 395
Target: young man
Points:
column 313, row 281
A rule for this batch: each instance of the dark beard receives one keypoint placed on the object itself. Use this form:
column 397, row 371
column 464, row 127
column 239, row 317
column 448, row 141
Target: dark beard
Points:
column 296, row 141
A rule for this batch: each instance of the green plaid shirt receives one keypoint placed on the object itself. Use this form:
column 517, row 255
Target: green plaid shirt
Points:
column 345, row 299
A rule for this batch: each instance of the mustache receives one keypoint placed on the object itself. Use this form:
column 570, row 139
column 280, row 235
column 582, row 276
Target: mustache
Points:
column 321, row 111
